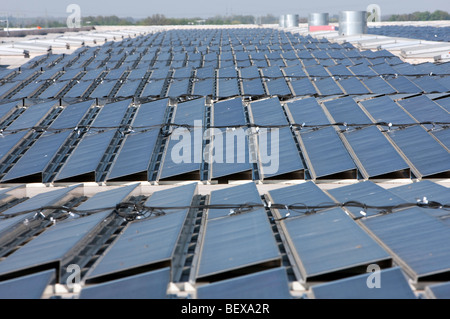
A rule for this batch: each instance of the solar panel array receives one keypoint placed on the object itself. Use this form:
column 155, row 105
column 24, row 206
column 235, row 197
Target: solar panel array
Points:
column 218, row 105
column 220, row 253
column 428, row 33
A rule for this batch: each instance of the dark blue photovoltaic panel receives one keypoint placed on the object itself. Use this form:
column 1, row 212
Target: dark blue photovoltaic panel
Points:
column 294, row 71
column 151, row 240
column 327, row 86
column 415, row 238
column 346, row 110
column 394, row 286
column 315, row 142
column 32, row 116
column 374, row 152
column 27, row 287
column 252, row 87
column 268, row 112
column 39, row 155
column 186, row 157
column 278, row 87
column 378, row 85
column 138, row 147
column 353, row 86
column 403, row 85
column 428, row 85
column 148, row 285
column 316, row 70
column 86, row 157
column 128, row 88
column 339, row 70
column 303, row 87
column 230, row 112
column 78, row 89
column 153, row 88
column 250, row 73
column 178, row 88
column 425, row 153
column 431, row 191
column 362, row 70
column 365, row 192
column 438, row 291
column 425, row 110
column 103, row 89
column 383, row 109
column 235, row 242
column 444, row 103
column 6, row 109
column 268, row 284
column 278, row 153
column 65, row 235
column 227, row 88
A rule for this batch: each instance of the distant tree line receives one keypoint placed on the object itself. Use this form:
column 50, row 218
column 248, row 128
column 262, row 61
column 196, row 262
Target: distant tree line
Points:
column 160, row 19
column 420, row 16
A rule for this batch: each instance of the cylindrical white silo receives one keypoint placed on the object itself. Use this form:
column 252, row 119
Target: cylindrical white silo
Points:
column 352, row 22
column 291, row 20
column 317, row 19
column 282, row 21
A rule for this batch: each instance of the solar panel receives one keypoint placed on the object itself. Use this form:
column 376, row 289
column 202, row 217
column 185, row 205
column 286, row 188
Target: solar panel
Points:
column 39, row 155
column 327, row 86
column 353, row 86
column 149, row 285
column 438, row 291
column 424, row 110
column 428, row 84
column 31, row 117
column 394, row 285
column 227, row 88
column 86, row 157
column 230, row 112
column 149, row 241
column 37, row 252
column 236, row 242
column 27, row 287
column 365, row 192
column 268, row 112
column 283, row 158
column 425, row 188
column 133, row 150
column 188, row 159
column 367, row 144
column 36, row 202
column 383, row 109
column 403, row 85
column 268, row 284
column 6, row 109
column 302, row 87
column 252, row 87
column 415, row 238
column 428, row 159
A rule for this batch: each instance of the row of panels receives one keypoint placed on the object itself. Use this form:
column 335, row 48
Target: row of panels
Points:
column 220, row 83
column 307, row 138
column 253, row 254
column 428, row 33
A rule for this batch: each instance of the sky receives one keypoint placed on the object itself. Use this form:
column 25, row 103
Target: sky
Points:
column 208, row 8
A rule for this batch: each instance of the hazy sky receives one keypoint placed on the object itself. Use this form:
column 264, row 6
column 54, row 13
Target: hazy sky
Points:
column 207, row 8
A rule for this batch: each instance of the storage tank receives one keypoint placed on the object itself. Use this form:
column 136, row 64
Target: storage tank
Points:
column 316, row 19
column 352, row 22
column 282, row 21
column 291, row 20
